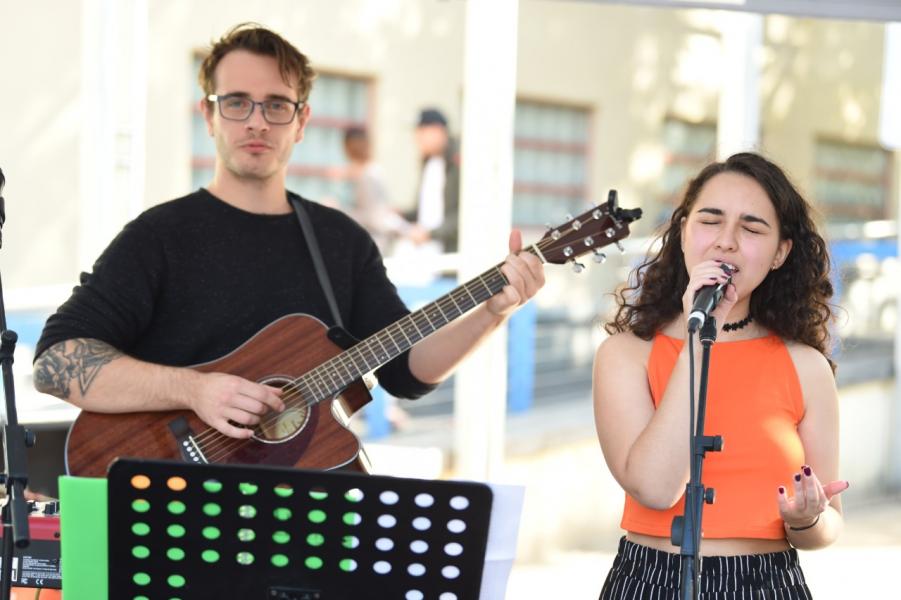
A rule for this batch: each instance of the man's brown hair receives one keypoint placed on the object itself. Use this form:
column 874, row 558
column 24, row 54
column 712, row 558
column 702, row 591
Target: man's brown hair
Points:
column 293, row 65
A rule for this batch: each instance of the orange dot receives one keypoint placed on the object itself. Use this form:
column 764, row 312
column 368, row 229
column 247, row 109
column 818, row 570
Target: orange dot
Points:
column 140, row 482
column 176, row 484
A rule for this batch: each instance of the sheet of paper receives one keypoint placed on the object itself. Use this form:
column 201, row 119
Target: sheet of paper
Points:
column 502, row 536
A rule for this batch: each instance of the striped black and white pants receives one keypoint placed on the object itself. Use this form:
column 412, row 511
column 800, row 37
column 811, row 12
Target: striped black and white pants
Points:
column 639, row 572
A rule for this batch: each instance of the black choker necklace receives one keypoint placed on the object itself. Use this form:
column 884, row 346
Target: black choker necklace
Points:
column 738, row 324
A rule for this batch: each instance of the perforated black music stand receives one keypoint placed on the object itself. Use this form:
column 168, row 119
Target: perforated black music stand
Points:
column 183, row 531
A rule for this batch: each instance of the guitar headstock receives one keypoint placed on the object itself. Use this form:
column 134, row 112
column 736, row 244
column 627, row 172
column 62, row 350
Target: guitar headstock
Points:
column 589, row 232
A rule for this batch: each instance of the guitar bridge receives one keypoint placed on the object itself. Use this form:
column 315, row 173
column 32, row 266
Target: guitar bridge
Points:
column 187, row 446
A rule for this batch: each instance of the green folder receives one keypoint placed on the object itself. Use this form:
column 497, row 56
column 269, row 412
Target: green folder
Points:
column 83, row 538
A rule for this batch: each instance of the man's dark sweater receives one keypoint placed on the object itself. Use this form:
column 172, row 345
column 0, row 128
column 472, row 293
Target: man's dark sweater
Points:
column 192, row 279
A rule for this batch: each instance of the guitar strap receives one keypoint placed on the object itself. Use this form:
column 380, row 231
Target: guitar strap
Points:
column 310, row 236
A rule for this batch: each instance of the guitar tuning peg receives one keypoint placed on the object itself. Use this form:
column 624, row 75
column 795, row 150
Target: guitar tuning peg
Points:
column 620, row 246
column 599, row 257
column 578, row 267
column 568, row 217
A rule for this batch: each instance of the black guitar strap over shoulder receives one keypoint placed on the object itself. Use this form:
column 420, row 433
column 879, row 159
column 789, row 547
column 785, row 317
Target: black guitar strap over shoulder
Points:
column 310, row 236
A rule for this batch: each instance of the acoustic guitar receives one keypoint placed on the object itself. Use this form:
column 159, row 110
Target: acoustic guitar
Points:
column 321, row 381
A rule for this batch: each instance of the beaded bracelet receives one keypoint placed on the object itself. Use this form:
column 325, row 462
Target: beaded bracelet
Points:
column 815, row 521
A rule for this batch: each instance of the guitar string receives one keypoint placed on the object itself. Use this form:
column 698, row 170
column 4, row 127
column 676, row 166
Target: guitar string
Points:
column 297, row 388
column 227, row 445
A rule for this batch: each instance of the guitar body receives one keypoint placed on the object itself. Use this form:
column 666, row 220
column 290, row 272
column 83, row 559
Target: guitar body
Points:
column 282, row 351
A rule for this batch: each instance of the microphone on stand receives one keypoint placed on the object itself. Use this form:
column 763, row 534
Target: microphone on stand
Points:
column 706, row 300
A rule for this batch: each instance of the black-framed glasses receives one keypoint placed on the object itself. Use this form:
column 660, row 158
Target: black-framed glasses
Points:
column 236, row 107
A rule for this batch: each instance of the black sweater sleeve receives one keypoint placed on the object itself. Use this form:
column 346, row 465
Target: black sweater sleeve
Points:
column 114, row 303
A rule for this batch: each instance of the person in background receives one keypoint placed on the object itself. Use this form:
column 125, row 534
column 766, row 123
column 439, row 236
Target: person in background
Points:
column 438, row 194
column 370, row 205
column 771, row 395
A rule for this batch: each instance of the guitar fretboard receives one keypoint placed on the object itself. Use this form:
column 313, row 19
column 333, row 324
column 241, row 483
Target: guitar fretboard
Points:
column 332, row 376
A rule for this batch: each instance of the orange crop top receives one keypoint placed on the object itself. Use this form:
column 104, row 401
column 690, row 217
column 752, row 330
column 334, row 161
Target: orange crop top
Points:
column 754, row 401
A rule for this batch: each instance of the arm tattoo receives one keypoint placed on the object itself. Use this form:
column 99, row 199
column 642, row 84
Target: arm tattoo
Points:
column 58, row 368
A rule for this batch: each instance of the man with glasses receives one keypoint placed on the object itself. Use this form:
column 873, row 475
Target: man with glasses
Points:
column 190, row 280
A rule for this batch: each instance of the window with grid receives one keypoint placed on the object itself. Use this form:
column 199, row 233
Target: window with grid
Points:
column 550, row 162
column 852, row 182
column 316, row 169
column 688, row 148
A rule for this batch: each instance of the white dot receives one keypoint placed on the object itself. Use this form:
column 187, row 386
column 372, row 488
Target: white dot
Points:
column 450, row 572
column 421, row 523
column 353, row 495
column 414, row 595
column 384, row 544
column 456, row 526
column 448, row 596
column 424, row 500
column 459, row 502
column 387, row 521
column 453, row 549
column 416, row 570
column 382, row 567
column 389, row 497
column 418, row 546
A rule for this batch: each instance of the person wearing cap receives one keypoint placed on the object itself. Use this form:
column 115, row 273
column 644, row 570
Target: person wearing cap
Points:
column 438, row 194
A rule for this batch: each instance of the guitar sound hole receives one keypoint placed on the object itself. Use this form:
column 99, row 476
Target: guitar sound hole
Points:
column 275, row 428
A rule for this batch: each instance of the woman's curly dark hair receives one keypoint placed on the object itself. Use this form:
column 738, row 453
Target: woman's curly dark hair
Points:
column 792, row 302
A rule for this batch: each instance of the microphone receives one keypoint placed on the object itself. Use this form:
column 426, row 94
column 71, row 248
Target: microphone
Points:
column 706, row 300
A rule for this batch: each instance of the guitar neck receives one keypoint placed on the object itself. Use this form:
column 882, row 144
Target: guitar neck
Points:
column 371, row 353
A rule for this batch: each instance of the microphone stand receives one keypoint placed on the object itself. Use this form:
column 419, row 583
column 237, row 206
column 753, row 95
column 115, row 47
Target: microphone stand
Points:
column 15, row 439
column 686, row 529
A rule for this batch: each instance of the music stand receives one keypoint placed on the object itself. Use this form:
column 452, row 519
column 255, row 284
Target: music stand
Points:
column 188, row 531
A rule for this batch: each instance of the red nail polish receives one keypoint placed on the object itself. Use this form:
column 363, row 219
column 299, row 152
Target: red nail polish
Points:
column 797, row 477
column 807, row 471
column 781, row 490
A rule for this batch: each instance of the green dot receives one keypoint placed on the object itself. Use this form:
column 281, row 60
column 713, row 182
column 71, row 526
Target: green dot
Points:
column 313, row 562
column 279, row 560
column 176, row 507
column 176, row 581
column 347, row 565
column 211, row 533
column 212, row 486
column 316, row 516
column 244, row 558
column 248, row 489
column 351, row 518
column 140, row 551
column 318, row 495
column 140, row 529
column 246, row 535
column 210, row 556
column 140, row 598
column 282, row 514
column 175, row 553
column 350, row 541
column 284, row 491
column 141, row 578
column 211, row 509
column 140, row 505
column 315, row 539
column 281, row 537
column 246, row 511
column 175, row 531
